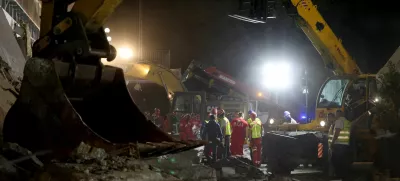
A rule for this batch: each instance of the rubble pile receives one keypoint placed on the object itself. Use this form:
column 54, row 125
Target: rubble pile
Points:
column 86, row 164
column 185, row 166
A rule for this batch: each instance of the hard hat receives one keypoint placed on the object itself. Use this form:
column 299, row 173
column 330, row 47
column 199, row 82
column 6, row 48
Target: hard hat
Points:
column 250, row 111
column 286, row 114
column 253, row 113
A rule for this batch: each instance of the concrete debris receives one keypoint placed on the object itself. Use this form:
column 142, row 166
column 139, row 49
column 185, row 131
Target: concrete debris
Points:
column 86, row 152
column 238, row 168
column 184, row 166
column 110, row 169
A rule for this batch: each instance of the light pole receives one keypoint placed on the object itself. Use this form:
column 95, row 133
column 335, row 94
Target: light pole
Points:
column 305, row 91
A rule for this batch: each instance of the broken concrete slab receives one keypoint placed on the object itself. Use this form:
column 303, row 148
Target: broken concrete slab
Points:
column 184, row 166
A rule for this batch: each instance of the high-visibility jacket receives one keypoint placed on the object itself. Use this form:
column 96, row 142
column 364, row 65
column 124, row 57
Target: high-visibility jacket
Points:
column 225, row 122
column 256, row 127
column 249, row 121
column 344, row 135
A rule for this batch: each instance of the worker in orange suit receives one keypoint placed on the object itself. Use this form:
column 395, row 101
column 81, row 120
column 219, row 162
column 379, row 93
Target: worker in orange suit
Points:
column 256, row 136
column 183, row 127
column 239, row 132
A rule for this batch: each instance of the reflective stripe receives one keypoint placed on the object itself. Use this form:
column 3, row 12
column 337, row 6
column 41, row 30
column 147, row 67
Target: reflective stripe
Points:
column 256, row 128
column 206, row 121
column 344, row 135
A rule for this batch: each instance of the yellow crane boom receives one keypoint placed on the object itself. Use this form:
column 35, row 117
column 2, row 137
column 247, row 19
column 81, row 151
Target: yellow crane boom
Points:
column 329, row 46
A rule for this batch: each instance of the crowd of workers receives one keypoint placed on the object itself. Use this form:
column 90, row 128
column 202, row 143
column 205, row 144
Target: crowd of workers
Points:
column 227, row 137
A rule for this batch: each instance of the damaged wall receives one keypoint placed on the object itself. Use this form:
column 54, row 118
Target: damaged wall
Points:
column 9, row 49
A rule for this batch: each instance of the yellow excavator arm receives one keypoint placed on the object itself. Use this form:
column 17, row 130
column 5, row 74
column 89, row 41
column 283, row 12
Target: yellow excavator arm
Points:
column 68, row 96
column 157, row 74
column 330, row 47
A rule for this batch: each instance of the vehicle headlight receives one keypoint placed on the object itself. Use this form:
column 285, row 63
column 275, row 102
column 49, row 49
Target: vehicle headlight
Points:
column 322, row 123
column 271, row 121
column 376, row 99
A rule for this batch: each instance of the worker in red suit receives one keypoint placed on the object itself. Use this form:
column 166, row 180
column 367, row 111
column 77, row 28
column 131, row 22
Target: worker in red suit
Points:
column 189, row 129
column 239, row 131
column 183, row 127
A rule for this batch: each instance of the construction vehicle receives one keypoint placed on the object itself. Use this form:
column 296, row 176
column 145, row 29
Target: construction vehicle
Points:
column 152, row 86
column 210, row 88
column 348, row 90
column 68, row 96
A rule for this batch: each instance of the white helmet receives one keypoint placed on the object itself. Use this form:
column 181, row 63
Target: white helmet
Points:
column 286, row 114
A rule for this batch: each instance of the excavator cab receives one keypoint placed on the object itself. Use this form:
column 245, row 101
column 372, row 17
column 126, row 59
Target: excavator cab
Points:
column 189, row 103
column 356, row 96
column 68, row 96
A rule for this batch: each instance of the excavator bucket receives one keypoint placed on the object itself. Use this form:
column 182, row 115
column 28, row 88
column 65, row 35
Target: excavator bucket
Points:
column 55, row 112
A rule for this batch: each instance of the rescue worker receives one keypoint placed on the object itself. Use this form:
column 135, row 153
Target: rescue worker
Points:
column 288, row 118
column 339, row 140
column 157, row 118
column 207, row 151
column 185, row 129
column 226, row 131
column 203, row 125
column 239, row 132
column 248, row 137
column 249, row 120
column 256, row 136
column 213, row 134
column 175, row 122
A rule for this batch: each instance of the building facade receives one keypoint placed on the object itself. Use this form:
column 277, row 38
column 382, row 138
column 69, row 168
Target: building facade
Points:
column 26, row 11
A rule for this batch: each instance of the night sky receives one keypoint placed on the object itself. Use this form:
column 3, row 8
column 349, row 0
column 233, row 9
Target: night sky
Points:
column 201, row 30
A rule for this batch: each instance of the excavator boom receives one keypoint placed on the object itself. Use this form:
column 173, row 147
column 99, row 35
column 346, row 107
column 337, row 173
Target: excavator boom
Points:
column 68, row 96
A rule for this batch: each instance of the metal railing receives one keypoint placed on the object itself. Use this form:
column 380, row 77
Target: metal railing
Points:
column 27, row 11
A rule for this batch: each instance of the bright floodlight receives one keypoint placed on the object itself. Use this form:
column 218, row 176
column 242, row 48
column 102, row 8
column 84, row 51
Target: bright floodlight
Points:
column 259, row 94
column 271, row 121
column 107, row 30
column 277, row 75
column 125, row 53
column 322, row 123
column 109, row 38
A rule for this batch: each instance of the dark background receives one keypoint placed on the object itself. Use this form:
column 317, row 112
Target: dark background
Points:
column 201, row 30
